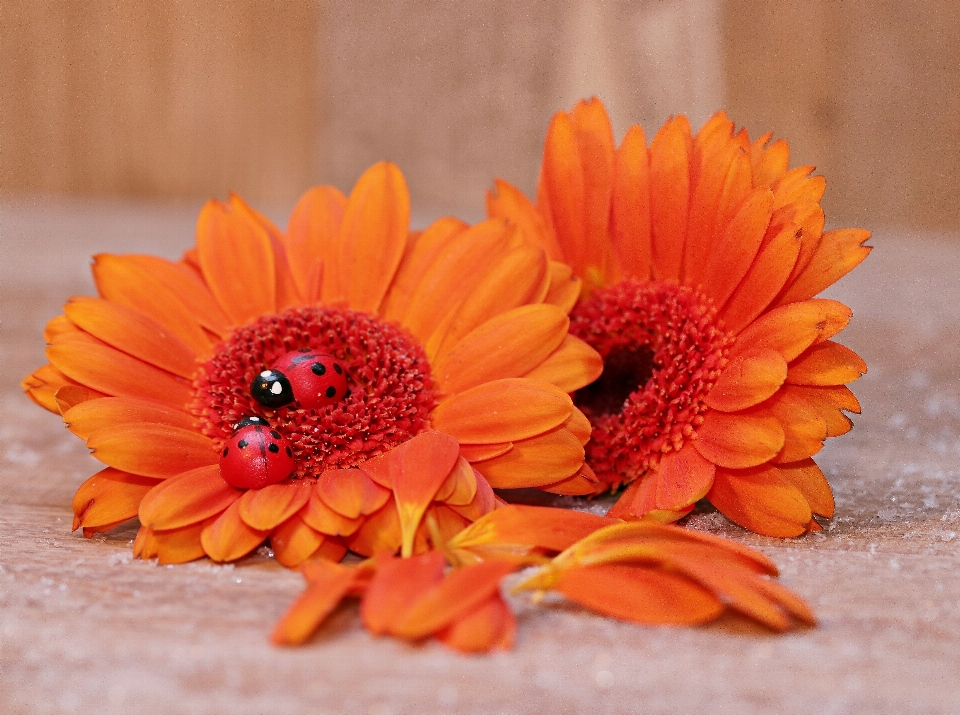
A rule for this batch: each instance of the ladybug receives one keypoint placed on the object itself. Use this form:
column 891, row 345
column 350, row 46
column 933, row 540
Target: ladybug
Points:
column 255, row 456
column 312, row 378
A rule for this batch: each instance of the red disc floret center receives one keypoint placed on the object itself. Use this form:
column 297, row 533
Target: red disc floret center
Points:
column 390, row 393
column 662, row 351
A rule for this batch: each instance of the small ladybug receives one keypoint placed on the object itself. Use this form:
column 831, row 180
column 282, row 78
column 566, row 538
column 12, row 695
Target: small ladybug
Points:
column 312, row 378
column 255, row 456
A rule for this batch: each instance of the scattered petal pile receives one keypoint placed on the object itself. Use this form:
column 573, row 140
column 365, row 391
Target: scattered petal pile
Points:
column 701, row 256
column 644, row 572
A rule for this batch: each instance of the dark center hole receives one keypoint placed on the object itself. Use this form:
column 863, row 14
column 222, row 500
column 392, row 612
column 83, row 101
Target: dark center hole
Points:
column 625, row 370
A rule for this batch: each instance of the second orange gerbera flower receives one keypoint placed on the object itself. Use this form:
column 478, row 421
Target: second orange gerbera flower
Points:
column 701, row 256
column 458, row 367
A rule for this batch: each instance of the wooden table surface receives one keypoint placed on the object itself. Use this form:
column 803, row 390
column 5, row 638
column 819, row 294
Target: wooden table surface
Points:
column 84, row 628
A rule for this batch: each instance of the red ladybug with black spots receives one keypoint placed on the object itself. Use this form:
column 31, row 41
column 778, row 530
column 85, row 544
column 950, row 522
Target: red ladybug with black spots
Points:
column 309, row 377
column 255, row 456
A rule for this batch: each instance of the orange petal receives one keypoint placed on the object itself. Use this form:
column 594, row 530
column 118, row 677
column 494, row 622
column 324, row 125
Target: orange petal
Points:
column 479, row 452
column 176, row 546
column 839, row 252
column 92, row 415
column 639, row 501
column 764, row 280
column 287, row 292
column 458, row 594
column 127, row 281
column 737, row 589
column 189, row 288
column 827, row 363
column 421, row 252
column 265, row 508
column 760, row 500
column 503, row 411
column 453, row 273
column 293, row 542
column 640, row 594
column 42, row 386
column 351, row 492
column 739, row 440
column 828, row 402
column 483, row 502
column 508, row 345
column 791, row 329
column 769, row 162
column 379, row 532
column 797, row 185
column 508, row 202
column 187, row 499
column 521, row 278
column 425, row 462
column 228, row 538
column 460, row 486
column 327, row 521
column 492, row 626
column 583, row 483
column 562, row 178
column 312, row 238
column 396, row 586
column 328, row 584
column 735, row 249
column 373, row 236
column 238, row 262
column 133, row 333
column 527, row 527
column 747, row 380
column 669, row 196
column 806, row 476
column 564, row 288
column 109, row 497
column 100, row 367
column 809, row 217
column 684, row 477
column 803, row 427
column 152, row 450
column 70, row 396
column 537, row 461
column 630, row 205
column 705, row 220
column 571, row 366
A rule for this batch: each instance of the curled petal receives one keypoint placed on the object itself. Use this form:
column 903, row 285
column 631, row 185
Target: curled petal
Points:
column 228, row 537
column 761, row 500
column 328, row 584
column 109, row 497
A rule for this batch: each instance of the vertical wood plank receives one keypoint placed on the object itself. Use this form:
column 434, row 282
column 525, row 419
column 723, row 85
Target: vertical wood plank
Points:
column 162, row 99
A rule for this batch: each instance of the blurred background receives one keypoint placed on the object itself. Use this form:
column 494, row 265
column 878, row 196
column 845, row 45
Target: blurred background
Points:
column 183, row 100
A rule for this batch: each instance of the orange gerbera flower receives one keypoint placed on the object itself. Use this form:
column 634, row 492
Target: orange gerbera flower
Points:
column 701, row 256
column 642, row 571
column 457, row 361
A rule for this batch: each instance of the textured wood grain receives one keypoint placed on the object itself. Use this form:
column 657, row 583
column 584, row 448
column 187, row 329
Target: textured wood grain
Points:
column 84, row 628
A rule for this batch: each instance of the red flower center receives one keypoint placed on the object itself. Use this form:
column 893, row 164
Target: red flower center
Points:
column 662, row 350
column 390, row 389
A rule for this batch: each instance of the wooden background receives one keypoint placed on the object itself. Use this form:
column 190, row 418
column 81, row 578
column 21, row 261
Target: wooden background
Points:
column 191, row 99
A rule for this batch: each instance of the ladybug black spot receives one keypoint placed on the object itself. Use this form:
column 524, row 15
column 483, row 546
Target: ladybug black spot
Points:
column 273, row 448
column 242, row 443
column 337, row 368
column 225, row 450
column 274, row 434
column 289, row 452
column 331, row 391
column 319, row 368
column 304, row 350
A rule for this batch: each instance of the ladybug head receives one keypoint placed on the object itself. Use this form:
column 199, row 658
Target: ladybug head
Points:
column 271, row 388
column 250, row 420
